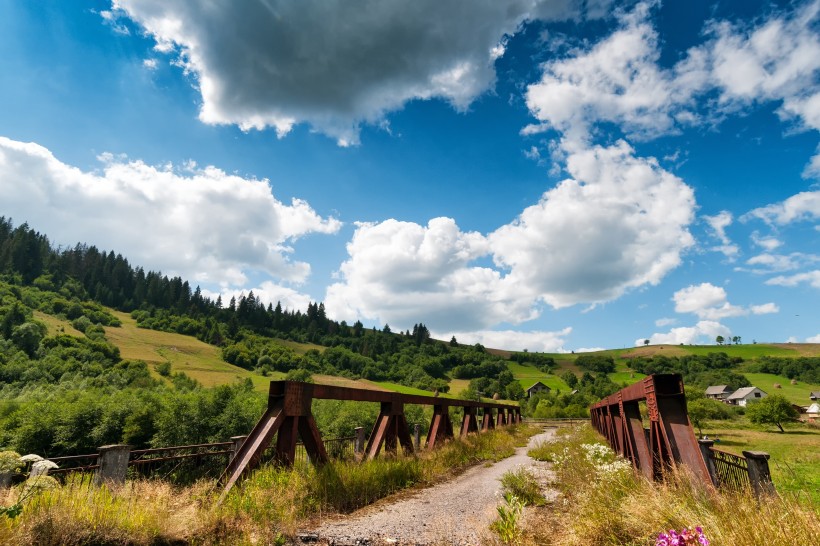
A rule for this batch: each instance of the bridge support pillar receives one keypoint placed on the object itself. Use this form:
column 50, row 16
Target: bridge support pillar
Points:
column 469, row 423
column 441, row 428
column 289, row 415
column 390, row 428
column 487, row 422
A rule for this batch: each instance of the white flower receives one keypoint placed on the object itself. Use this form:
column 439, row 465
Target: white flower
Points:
column 31, row 458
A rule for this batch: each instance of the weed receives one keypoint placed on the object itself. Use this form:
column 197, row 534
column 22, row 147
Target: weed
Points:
column 522, row 485
column 509, row 516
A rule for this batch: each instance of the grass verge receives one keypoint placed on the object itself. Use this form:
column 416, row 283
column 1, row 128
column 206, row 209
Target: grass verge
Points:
column 271, row 504
column 603, row 502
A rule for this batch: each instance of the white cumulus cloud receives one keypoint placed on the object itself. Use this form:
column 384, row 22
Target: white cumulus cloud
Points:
column 400, row 273
column 812, row 278
column 709, row 302
column 515, row 340
column 804, row 206
column 705, row 331
column 620, row 222
column 201, row 223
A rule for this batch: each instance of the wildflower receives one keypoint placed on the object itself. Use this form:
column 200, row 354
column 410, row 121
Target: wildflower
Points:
column 686, row 537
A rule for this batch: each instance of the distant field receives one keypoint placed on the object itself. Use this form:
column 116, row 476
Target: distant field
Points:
column 527, row 375
column 56, row 325
column 795, row 455
column 458, row 385
column 797, row 394
column 187, row 354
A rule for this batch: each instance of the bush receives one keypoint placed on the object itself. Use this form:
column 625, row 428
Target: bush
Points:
column 163, row 368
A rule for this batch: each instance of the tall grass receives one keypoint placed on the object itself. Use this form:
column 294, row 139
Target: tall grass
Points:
column 603, row 502
column 271, row 504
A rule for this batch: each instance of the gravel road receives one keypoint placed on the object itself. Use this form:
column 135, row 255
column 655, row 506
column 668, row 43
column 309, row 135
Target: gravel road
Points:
column 457, row 512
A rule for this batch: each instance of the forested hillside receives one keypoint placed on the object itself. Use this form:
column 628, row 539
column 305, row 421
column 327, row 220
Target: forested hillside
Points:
column 66, row 394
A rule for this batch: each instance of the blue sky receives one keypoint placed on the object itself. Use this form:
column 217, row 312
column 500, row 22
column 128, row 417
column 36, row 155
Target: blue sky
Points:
column 550, row 175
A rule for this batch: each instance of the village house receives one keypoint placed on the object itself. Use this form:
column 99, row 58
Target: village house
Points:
column 815, row 396
column 536, row 388
column 718, row 392
column 813, row 411
column 741, row 396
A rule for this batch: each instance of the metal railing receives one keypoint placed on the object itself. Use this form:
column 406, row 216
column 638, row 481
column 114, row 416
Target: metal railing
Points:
column 75, row 463
column 180, row 463
column 732, row 470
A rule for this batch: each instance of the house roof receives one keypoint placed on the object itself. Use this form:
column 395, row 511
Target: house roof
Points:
column 814, row 394
column 537, row 383
column 717, row 389
column 814, row 408
column 743, row 393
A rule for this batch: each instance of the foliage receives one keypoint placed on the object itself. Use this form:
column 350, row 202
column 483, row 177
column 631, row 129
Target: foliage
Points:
column 596, row 363
column 697, row 370
column 772, row 410
column 508, row 523
column 702, row 409
column 806, row 369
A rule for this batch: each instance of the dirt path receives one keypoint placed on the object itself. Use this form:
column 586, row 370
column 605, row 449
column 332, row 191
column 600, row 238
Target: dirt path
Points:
column 455, row 512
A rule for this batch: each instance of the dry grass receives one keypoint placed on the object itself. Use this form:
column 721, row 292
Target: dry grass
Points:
column 597, row 507
column 272, row 504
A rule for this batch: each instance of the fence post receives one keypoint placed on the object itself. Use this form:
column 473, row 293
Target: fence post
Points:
column 113, row 461
column 358, row 446
column 759, row 476
column 709, row 459
column 417, row 437
column 236, row 445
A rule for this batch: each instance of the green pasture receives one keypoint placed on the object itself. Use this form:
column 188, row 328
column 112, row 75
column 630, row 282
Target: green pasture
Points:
column 527, row 375
column 796, row 394
column 794, row 455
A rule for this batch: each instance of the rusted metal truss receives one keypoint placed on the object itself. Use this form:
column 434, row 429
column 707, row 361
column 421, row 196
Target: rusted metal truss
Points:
column 669, row 440
column 288, row 418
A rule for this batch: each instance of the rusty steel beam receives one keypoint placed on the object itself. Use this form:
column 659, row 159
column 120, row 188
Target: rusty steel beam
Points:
column 487, row 421
column 669, row 440
column 390, row 426
column 289, row 418
column 469, row 423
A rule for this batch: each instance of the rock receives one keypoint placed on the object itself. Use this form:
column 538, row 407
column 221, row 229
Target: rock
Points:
column 308, row 537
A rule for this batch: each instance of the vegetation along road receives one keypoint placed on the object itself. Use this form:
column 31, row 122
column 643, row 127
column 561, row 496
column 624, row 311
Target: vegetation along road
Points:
column 458, row 511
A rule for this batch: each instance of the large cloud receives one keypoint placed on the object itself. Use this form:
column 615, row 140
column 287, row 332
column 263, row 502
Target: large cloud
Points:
column 618, row 223
column 200, row 223
column 334, row 63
